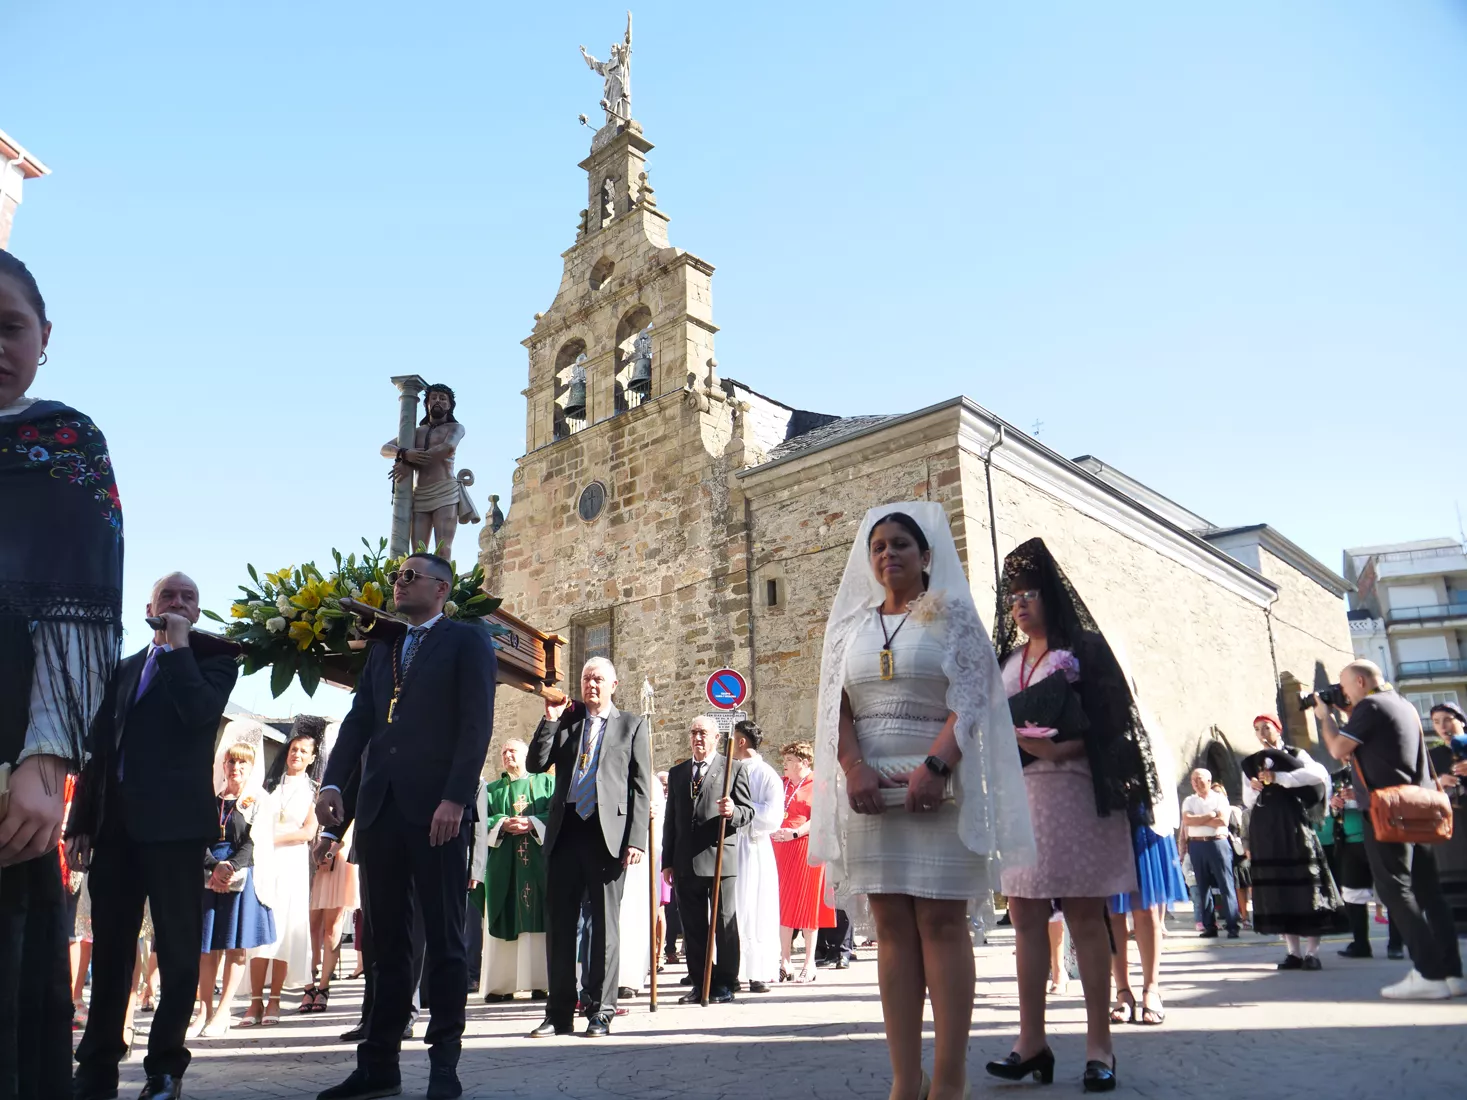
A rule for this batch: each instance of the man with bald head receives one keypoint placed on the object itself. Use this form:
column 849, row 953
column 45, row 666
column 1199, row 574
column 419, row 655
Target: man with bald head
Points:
column 143, row 817
column 1384, row 743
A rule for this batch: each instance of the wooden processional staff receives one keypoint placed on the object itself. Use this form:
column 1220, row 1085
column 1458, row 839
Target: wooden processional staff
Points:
column 717, row 872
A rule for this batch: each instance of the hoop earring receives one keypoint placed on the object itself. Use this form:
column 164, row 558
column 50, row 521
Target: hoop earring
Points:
column 42, row 361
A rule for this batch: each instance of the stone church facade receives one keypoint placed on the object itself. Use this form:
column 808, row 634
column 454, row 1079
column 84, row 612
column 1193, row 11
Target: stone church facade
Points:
column 680, row 522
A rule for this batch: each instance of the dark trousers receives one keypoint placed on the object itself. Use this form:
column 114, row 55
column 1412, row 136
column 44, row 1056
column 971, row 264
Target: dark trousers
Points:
column 580, row 867
column 475, row 918
column 169, row 875
column 401, row 865
column 836, row 943
column 1212, row 863
column 674, row 928
column 1406, row 881
column 369, row 962
column 35, row 982
column 694, row 902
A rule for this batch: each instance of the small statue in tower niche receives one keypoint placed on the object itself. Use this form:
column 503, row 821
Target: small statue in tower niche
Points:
column 608, row 200
column 644, row 191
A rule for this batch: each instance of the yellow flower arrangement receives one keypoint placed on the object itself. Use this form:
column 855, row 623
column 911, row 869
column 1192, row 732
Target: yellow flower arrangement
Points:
column 304, row 634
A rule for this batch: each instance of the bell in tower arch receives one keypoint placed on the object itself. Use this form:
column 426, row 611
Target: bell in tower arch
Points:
column 575, row 394
column 640, row 380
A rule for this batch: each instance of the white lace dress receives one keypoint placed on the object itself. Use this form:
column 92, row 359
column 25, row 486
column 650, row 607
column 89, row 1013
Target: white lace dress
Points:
column 896, row 721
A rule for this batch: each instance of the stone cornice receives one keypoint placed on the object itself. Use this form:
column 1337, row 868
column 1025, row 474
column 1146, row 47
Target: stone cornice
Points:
column 570, row 318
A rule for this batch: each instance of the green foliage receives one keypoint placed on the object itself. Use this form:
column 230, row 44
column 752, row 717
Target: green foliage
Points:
column 292, row 622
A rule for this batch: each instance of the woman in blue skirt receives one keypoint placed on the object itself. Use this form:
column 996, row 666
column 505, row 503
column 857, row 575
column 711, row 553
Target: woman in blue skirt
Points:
column 234, row 918
column 1159, row 883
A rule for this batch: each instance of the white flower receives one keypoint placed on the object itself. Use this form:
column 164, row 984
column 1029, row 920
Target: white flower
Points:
column 450, row 609
column 259, row 615
column 257, row 603
column 356, row 593
column 286, row 608
column 275, row 625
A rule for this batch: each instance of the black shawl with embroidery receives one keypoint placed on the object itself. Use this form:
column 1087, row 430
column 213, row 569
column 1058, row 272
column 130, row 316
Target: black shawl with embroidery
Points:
column 1116, row 747
column 60, row 563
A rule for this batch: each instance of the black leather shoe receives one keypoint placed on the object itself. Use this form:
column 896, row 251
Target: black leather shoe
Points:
column 598, row 1026
column 692, row 997
column 497, row 998
column 365, row 1084
column 686, row 979
column 162, row 1086
column 1292, row 962
column 720, row 996
column 1100, row 1076
column 1014, row 1068
column 842, row 963
column 1395, row 953
column 443, row 1083
column 1311, row 962
column 1207, row 934
column 356, row 1034
column 625, row 991
column 1353, row 950
column 758, row 987
column 539, row 994
column 549, row 1027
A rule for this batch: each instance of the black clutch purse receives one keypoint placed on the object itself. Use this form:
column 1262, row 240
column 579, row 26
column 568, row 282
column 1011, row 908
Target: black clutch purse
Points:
column 1050, row 703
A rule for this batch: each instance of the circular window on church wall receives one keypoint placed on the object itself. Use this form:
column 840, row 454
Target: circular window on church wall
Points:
column 592, row 502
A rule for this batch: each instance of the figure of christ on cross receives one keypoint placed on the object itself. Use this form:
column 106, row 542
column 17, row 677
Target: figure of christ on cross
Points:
column 437, row 493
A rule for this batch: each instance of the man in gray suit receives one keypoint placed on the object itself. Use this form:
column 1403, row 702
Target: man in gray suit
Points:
column 598, row 827
column 695, row 808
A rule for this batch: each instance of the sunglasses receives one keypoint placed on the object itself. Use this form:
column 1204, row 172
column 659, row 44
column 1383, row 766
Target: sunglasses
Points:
column 1029, row 595
column 407, row 576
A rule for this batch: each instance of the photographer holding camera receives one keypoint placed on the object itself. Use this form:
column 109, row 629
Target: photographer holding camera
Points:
column 1383, row 738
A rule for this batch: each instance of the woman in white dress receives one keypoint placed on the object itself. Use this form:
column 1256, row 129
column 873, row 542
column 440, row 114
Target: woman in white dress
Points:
column 919, row 798
column 287, row 824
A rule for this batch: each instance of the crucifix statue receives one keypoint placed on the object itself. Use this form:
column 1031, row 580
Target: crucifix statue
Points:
column 425, row 469
column 616, row 71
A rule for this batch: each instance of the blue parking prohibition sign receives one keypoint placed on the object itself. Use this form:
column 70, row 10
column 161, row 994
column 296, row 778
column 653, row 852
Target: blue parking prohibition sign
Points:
column 727, row 689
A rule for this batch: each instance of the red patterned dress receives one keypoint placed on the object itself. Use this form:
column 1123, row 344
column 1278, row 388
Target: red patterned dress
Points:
column 801, row 887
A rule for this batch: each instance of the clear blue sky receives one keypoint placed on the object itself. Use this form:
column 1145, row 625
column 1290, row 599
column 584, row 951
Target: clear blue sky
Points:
column 1222, row 247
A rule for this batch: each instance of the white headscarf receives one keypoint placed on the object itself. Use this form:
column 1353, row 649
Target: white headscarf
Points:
column 993, row 806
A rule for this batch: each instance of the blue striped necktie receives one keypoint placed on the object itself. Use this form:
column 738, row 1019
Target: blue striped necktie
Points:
column 583, row 790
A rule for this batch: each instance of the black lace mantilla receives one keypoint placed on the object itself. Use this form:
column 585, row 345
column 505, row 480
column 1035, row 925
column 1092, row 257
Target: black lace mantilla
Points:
column 1117, row 747
column 41, row 601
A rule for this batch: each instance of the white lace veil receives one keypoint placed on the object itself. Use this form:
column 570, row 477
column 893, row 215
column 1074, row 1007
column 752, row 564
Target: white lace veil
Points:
column 993, row 807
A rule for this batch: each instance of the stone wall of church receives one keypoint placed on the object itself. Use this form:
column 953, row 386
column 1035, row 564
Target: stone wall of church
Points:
column 1199, row 651
column 665, row 558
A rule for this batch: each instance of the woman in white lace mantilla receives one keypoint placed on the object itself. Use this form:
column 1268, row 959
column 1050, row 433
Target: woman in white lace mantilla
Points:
column 919, row 796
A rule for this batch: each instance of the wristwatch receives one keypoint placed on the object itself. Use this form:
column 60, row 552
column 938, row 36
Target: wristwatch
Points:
column 938, row 766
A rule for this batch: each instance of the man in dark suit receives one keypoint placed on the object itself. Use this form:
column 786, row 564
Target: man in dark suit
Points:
column 598, row 827
column 144, row 815
column 695, row 807
column 423, row 714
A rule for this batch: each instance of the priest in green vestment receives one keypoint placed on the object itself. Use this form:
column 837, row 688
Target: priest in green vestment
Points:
column 517, row 806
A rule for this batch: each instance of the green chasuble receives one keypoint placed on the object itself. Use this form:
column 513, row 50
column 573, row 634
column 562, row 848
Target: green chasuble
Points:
column 514, row 878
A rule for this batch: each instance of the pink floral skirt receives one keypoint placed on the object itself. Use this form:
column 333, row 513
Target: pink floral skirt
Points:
column 1080, row 854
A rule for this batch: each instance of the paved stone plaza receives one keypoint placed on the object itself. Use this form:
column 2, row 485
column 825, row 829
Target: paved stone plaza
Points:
column 1235, row 1026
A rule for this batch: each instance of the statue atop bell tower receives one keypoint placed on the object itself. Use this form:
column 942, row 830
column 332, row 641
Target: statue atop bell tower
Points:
column 616, row 71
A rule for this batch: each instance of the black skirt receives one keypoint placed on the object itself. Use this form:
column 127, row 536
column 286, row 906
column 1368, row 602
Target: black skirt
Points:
column 1354, row 866
column 1293, row 891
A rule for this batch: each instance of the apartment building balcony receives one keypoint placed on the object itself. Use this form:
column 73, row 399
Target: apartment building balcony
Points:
column 1455, row 669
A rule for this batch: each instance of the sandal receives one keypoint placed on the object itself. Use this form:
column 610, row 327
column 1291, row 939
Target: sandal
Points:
column 1124, row 1010
column 308, row 999
column 804, row 977
column 127, row 1038
column 253, row 1015
column 784, row 974
column 270, row 1019
column 1151, row 1010
column 322, row 993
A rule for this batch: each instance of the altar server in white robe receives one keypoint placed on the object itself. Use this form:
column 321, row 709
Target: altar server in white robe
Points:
column 636, row 908
column 756, row 898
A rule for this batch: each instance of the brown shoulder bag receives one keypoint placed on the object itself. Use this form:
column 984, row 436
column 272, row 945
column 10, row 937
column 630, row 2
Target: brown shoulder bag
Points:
column 1409, row 814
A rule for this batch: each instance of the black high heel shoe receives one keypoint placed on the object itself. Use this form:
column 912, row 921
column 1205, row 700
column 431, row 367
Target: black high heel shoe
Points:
column 1100, row 1077
column 1041, row 1065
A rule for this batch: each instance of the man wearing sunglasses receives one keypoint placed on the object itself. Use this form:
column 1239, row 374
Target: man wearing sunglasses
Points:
column 423, row 716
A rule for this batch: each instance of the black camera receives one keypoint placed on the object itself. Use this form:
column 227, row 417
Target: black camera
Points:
column 1332, row 696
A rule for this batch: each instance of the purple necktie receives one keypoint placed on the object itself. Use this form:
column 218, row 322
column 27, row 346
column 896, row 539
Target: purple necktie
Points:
column 150, row 668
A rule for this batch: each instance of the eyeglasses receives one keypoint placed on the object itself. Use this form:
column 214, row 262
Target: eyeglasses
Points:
column 1029, row 595
column 407, row 576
